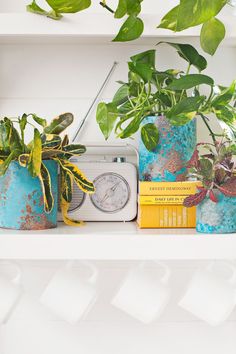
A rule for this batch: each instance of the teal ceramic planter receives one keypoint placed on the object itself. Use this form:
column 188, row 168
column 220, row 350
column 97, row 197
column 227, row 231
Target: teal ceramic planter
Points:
column 167, row 163
column 217, row 218
column 21, row 199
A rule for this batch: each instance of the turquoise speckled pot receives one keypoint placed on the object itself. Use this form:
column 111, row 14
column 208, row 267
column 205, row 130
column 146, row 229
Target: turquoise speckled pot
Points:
column 21, row 199
column 217, row 218
column 167, row 162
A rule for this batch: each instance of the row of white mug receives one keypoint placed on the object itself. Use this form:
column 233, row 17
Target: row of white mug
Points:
column 143, row 294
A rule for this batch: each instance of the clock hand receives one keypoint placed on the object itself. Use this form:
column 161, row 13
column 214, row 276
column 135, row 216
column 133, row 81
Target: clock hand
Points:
column 109, row 192
column 115, row 186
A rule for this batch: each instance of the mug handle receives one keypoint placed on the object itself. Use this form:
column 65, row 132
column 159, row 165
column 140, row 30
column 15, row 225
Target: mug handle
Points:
column 94, row 272
column 167, row 272
column 16, row 279
column 232, row 279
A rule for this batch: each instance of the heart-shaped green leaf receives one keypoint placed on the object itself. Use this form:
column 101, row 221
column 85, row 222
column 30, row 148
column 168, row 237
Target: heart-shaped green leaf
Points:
column 191, row 13
column 142, row 69
column 148, row 57
column 225, row 96
column 194, row 12
column 150, row 136
column 69, row 6
column 212, row 34
column 190, row 54
column 131, row 29
column 121, row 96
column 106, row 116
column 190, row 81
column 184, row 111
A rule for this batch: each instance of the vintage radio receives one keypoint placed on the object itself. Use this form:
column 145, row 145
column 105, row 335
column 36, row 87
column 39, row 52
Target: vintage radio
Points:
column 115, row 179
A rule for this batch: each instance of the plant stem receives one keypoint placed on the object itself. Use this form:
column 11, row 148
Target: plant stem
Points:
column 103, row 4
column 209, row 128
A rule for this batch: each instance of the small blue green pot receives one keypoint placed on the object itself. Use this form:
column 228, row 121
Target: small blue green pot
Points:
column 217, row 218
column 21, row 199
column 167, row 163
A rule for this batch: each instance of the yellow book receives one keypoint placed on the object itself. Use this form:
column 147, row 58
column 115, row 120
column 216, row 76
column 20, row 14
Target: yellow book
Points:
column 166, row 216
column 168, row 188
column 161, row 200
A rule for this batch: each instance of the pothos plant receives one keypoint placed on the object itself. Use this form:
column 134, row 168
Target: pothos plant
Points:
column 46, row 145
column 187, row 13
column 215, row 168
column 176, row 94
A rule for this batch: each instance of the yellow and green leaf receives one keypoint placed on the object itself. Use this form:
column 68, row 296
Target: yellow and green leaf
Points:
column 51, row 141
column 59, row 124
column 79, row 177
column 49, row 154
column 75, row 149
column 67, row 220
column 66, row 185
column 4, row 166
column 45, row 181
column 36, row 155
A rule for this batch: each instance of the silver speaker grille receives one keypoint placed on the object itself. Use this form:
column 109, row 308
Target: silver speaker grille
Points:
column 77, row 199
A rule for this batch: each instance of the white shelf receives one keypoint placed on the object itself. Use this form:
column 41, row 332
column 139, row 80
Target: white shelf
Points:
column 81, row 28
column 115, row 241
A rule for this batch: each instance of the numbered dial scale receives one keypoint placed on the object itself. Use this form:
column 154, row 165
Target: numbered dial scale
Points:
column 115, row 198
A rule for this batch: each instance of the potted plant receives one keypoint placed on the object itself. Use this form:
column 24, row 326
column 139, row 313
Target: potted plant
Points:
column 216, row 199
column 163, row 105
column 29, row 172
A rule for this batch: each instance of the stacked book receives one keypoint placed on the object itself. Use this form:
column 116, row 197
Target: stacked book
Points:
column 161, row 205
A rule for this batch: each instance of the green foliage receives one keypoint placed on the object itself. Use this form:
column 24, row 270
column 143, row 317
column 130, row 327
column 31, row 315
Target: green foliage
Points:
column 188, row 13
column 212, row 34
column 106, row 117
column 68, row 6
column 131, row 29
column 150, row 136
column 190, row 54
column 46, row 144
column 59, row 7
column 173, row 93
column 189, row 81
column 214, row 166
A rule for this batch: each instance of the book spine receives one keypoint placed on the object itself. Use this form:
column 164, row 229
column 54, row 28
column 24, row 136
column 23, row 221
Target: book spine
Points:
column 168, row 216
column 161, row 200
column 168, row 188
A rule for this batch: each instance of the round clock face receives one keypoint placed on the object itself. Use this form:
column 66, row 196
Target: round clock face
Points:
column 112, row 193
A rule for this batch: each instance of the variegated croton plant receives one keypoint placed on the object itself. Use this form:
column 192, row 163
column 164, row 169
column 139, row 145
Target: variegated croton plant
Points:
column 46, row 145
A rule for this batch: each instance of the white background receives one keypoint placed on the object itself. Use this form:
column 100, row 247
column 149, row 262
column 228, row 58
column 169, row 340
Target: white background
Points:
column 49, row 79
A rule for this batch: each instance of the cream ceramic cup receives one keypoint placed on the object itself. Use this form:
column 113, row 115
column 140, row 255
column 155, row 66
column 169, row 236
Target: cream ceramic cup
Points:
column 10, row 289
column 144, row 293
column 68, row 295
column 210, row 296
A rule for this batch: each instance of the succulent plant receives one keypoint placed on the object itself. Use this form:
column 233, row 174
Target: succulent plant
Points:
column 46, row 145
column 215, row 168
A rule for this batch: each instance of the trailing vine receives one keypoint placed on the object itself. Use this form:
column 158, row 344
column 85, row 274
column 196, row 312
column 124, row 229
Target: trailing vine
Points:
column 188, row 13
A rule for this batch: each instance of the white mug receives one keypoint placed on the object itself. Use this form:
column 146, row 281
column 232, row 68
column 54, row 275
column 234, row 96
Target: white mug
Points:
column 68, row 296
column 211, row 296
column 143, row 295
column 10, row 289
